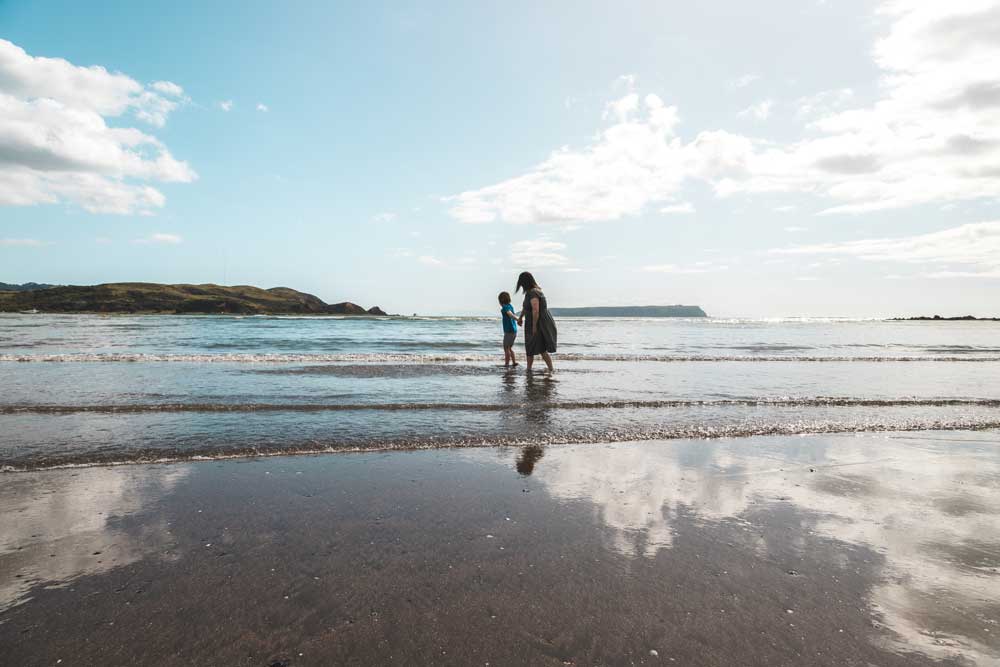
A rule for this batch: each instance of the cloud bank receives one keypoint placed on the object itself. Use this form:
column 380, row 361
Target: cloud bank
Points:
column 932, row 135
column 966, row 251
column 55, row 143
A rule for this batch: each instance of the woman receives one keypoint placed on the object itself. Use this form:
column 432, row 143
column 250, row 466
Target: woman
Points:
column 539, row 327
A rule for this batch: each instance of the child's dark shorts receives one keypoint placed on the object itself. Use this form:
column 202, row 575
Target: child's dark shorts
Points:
column 508, row 338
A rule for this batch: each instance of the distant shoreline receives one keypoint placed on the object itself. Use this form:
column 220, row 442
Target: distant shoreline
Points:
column 630, row 311
column 938, row 318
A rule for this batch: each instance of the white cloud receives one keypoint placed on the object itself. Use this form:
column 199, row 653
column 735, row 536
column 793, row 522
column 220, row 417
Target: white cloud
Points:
column 795, row 228
column 678, row 209
column 262, row 107
column 55, row 144
column 963, row 274
column 823, row 102
column 226, row 105
column 697, row 267
column 632, row 162
column 975, row 248
column 386, row 216
column 159, row 238
column 626, row 81
column 168, row 88
column 761, row 110
column 744, row 81
column 931, row 136
column 9, row 243
column 400, row 252
column 538, row 252
column 94, row 88
column 430, row 261
column 784, row 209
column 622, row 108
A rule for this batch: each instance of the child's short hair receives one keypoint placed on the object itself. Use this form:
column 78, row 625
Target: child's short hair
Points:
column 504, row 298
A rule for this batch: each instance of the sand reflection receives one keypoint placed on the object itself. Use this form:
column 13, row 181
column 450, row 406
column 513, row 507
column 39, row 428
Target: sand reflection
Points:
column 928, row 506
column 60, row 525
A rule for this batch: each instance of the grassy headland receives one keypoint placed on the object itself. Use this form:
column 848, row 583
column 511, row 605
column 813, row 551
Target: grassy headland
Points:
column 157, row 298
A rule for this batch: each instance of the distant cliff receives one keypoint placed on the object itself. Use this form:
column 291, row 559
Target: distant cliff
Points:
column 630, row 311
column 156, row 298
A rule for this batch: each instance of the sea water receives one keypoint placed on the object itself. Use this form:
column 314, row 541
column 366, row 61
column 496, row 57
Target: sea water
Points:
column 87, row 389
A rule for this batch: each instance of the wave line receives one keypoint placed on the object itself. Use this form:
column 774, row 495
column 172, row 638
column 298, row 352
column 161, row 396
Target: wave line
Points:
column 832, row 401
column 376, row 358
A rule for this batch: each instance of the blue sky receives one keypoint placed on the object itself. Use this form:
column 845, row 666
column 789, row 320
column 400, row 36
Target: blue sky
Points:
column 789, row 158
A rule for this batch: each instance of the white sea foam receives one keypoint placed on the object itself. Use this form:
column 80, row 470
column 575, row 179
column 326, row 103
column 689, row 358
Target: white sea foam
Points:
column 690, row 432
column 375, row 358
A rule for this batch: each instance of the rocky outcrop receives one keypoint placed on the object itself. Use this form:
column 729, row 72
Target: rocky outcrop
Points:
column 375, row 310
column 345, row 308
column 157, row 298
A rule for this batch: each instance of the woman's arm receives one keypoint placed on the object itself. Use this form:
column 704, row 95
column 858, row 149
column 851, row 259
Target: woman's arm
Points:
column 534, row 310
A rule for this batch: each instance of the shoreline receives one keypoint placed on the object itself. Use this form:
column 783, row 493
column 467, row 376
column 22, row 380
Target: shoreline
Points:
column 706, row 434
column 818, row 549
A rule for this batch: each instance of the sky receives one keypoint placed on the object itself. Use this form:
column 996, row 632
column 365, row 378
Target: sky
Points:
column 767, row 159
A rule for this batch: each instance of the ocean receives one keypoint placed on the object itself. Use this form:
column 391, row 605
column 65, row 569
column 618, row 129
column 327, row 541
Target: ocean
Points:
column 88, row 389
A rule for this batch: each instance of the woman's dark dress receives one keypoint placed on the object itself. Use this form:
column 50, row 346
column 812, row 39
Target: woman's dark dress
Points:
column 542, row 338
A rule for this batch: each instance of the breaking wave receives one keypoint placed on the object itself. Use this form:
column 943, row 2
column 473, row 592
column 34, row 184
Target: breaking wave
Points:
column 375, row 358
column 659, row 432
column 831, row 401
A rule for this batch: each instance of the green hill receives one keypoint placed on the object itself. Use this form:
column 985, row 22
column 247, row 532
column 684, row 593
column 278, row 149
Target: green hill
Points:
column 156, row 298
column 26, row 287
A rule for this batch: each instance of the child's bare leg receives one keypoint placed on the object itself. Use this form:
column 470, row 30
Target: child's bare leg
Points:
column 548, row 361
column 506, row 356
column 513, row 359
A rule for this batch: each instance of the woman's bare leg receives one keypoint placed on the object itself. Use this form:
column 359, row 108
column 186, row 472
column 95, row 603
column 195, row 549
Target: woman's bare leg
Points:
column 548, row 361
column 530, row 359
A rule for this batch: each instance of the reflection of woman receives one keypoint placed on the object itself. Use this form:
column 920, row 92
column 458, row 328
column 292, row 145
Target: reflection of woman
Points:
column 539, row 327
column 525, row 463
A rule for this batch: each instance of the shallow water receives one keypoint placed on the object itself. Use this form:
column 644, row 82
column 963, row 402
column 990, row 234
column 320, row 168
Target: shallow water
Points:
column 80, row 389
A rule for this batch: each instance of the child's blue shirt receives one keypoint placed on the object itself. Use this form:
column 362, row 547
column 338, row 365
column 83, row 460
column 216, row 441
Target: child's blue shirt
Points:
column 509, row 325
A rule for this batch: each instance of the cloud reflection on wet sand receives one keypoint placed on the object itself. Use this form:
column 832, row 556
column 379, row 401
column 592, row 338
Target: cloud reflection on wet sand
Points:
column 927, row 504
column 61, row 525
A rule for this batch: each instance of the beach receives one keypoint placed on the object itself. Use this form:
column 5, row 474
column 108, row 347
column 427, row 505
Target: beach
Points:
column 314, row 491
column 499, row 334
column 835, row 549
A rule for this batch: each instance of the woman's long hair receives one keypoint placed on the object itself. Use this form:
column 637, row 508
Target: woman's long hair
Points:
column 525, row 282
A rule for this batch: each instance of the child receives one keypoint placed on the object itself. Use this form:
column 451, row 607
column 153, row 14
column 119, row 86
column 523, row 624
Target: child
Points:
column 509, row 329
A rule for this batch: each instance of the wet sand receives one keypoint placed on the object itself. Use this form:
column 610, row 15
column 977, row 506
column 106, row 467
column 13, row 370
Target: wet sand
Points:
column 876, row 549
